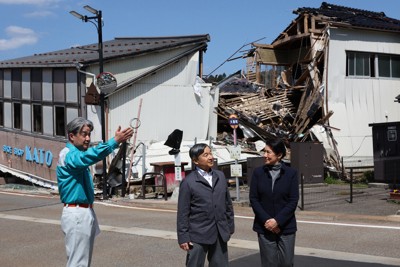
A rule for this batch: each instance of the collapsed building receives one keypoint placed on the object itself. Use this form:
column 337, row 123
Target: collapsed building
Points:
column 325, row 78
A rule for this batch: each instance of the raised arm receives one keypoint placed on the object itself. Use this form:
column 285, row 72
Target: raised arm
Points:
column 123, row 135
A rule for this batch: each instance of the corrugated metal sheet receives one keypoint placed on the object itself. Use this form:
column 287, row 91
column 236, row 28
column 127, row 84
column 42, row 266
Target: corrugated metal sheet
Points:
column 359, row 101
column 169, row 103
column 138, row 65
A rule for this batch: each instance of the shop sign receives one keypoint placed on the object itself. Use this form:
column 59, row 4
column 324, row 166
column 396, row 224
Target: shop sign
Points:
column 36, row 155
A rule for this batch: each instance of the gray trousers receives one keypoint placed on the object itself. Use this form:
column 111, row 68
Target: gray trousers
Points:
column 217, row 254
column 276, row 250
column 80, row 227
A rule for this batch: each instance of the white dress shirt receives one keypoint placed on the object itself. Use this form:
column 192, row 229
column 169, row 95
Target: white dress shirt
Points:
column 206, row 175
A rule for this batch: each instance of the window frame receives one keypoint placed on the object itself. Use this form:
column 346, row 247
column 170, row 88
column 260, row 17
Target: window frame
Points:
column 360, row 64
column 36, row 84
column 59, row 83
column 35, row 119
column 377, row 66
column 57, row 120
column 15, row 116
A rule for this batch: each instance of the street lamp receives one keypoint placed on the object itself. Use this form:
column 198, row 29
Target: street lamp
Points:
column 99, row 25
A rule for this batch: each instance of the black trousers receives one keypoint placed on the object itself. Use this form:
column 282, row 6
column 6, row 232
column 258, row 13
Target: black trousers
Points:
column 217, row 254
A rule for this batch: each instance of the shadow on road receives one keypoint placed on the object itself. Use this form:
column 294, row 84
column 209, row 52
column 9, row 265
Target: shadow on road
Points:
column 305, row 261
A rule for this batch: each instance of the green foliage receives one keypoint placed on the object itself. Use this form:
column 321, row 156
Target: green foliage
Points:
column 215, row 79
column 369, row 176
column 332, row 180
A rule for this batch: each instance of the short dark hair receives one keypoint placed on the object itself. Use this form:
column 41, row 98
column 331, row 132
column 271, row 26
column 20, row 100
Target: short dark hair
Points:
column 196, row 150
column 277, row 146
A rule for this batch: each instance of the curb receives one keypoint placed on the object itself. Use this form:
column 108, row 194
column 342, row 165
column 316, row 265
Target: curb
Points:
column 334, row 216
column 242, row 208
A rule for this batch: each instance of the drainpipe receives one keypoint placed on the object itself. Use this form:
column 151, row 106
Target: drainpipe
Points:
column 201, row 64
column 79, row 66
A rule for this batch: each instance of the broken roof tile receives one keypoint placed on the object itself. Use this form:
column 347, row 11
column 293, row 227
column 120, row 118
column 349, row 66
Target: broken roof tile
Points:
column 353, row 16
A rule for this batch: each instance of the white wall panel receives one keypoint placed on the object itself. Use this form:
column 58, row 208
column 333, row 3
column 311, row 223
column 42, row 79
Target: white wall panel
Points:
column 7, row 115
column 72, row 113
column 93, row 114
column 26, row 84
column 71, row 86
column 7, row 83
column 48, row 120
column 47, row 85
column 26, row 117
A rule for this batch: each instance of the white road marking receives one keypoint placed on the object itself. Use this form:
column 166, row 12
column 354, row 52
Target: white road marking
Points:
column 351, row 225
column 25, row 194
column 134, row 208
column 236, row 216
column 335, row 223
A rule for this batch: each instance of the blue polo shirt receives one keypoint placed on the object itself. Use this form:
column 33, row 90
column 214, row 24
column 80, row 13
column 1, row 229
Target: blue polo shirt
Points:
column 75, row 183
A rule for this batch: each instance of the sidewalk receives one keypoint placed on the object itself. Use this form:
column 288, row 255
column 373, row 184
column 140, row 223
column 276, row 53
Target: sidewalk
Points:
column 365, row 207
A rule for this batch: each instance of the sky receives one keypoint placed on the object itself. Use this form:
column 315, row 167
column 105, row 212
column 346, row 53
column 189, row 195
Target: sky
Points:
column 29, row 27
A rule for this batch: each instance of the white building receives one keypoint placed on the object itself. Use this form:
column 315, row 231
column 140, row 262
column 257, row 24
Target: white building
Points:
column 40, row 94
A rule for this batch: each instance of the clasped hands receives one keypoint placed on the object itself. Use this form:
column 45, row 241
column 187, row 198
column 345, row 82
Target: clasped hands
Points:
column 186, row 246
column 272, row 225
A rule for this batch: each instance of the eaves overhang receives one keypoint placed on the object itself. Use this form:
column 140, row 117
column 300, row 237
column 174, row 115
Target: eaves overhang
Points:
column 118, row 48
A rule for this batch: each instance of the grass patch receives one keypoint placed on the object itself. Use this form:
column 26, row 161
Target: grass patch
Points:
column 332, row 180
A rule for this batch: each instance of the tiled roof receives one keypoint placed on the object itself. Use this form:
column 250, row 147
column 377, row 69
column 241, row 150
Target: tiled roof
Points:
column 353, row 17
column 237, row 85
column 119, row 47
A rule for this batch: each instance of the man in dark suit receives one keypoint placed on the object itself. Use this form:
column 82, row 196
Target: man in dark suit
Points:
column 205, row 213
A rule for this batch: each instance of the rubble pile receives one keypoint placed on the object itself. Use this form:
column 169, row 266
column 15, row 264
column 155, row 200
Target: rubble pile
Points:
column 288, row 110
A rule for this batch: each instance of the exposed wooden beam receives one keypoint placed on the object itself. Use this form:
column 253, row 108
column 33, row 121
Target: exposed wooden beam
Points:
column 306, row 23
column 290, row 39
column 298, row 29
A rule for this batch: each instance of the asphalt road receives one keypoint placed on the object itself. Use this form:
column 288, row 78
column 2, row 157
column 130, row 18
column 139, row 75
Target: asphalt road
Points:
column 142, row 233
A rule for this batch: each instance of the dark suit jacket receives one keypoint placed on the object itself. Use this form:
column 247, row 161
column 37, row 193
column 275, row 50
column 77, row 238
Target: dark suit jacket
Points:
column 204, row 211
column 280, row 204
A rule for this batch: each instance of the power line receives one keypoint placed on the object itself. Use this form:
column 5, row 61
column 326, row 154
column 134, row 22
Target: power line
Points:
column 232, row 56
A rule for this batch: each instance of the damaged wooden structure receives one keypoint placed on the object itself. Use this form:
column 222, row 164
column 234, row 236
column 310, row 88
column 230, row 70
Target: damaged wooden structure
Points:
column 288, row 79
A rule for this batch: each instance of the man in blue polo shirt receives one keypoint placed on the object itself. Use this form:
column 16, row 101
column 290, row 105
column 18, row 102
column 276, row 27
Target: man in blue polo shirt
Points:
column 75, row 185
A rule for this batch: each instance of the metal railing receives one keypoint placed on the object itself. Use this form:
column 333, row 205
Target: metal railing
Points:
column 323, row 194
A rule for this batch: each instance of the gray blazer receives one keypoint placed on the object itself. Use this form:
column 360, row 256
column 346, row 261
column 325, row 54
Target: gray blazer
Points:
column 204, row 211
